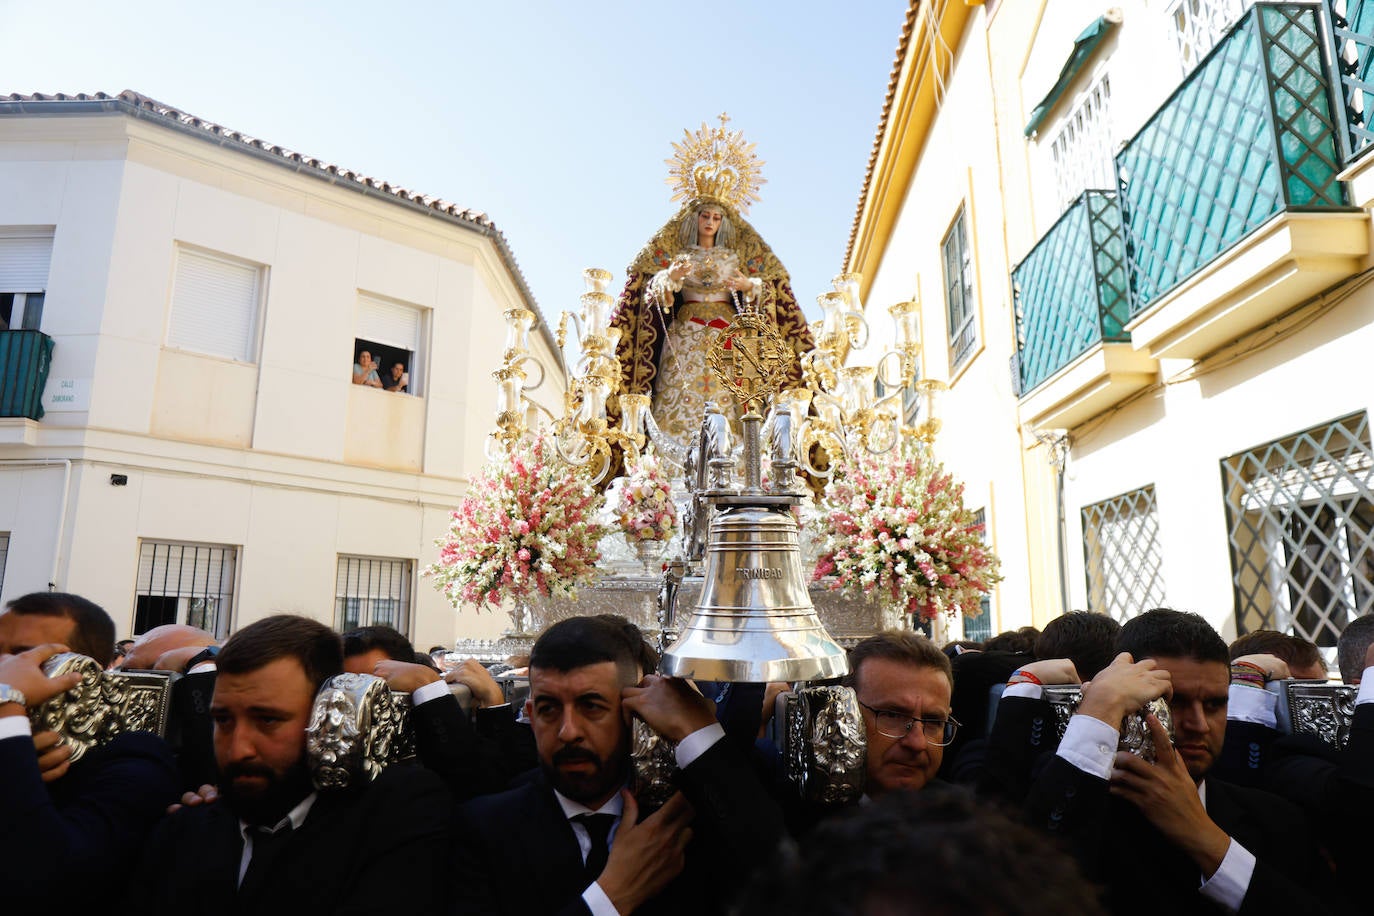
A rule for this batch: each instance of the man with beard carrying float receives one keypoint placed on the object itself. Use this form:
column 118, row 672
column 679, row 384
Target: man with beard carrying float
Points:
column 692, row 278
column 573, row 840
column 273, row 843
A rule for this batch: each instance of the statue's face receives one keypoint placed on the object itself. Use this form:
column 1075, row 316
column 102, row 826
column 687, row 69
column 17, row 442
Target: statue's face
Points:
column 708, row 223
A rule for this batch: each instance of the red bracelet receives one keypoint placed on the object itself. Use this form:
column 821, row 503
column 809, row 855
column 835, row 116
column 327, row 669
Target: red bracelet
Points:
column 1021, row 676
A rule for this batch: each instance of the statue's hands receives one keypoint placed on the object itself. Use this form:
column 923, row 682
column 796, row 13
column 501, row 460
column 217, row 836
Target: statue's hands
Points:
column 739, row 283
column 679, row 270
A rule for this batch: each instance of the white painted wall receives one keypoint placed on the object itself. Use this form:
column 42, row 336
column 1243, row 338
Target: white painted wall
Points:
column 978, row 442
column 281, row 456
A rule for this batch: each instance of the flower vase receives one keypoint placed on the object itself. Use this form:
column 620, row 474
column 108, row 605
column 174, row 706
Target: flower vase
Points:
column 650, row 553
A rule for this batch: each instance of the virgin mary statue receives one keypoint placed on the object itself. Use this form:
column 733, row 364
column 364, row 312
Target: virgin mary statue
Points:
column 697, row 272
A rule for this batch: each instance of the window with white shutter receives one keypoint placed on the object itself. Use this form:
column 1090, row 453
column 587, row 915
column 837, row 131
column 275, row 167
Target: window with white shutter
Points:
column 215, row 305
column 25, row 256
column 391, row 334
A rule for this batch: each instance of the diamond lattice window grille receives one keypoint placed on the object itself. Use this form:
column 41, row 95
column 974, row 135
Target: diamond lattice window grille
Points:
column 1122, row 554
column 1352, row 34
column 1300, row 518
column 1199, row 24
column 1248, row 134
column 1082, row 148
column 1071, row 289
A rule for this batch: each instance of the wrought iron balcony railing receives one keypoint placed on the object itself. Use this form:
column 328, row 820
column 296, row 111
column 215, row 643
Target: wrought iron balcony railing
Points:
column 1250, row 133
column 1071, row 289
column 24, row 360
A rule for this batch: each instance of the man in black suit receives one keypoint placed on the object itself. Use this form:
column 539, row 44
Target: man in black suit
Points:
column 272, row 844
column 474, row 755
column 570, row 841
column 1162, row 836
column 85, row 818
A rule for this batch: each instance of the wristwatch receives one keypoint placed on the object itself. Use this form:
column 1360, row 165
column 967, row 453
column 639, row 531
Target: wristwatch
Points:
column 205, row 655
column 10, row 694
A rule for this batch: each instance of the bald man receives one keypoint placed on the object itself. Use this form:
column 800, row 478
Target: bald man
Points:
column 159, row 641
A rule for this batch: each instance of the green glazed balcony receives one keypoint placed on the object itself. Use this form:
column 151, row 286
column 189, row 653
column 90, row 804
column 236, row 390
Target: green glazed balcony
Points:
column 1074, row 355
column 24, row 360
column 1071, row 290
column 1231, row 206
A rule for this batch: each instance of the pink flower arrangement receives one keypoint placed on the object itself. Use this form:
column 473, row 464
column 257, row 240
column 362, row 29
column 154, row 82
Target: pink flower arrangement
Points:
column 642, row 502
column 526, row 527
column 896, row 523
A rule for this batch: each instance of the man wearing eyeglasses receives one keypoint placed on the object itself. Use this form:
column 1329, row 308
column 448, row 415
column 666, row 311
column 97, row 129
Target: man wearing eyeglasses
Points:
column 903, row 684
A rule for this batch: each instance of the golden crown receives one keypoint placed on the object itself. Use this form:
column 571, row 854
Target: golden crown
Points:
column 715, row 163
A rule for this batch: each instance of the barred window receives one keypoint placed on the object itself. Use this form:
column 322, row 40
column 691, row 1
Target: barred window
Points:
column 1082, row 149
column 959, row 301
column 1198, row 24
column 373, row 590
column 1300, row 517
column 185, row 583
column 1121, row 554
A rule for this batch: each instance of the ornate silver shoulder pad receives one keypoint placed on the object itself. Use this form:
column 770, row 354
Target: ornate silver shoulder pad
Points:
column 824, row 744
column 1135, row 732
column 104, row 704
column 653, row 767
column 1315, row 708
column 358, row 727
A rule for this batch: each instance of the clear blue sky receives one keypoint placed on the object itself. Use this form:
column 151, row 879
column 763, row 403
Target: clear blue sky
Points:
column 553, row 117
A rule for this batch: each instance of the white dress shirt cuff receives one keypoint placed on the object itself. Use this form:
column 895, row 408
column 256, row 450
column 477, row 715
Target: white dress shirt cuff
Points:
column 1090, row 744
column 1366, row 692
column 598, row 902
column 430, row 691
column 1252, row 704
column 1024, row 689
column 698, row 743
column 1228, row 886
column 15, row 727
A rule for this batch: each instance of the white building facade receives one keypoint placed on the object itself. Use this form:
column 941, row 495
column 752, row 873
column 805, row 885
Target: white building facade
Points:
column 180, row 436
column 1164, row 263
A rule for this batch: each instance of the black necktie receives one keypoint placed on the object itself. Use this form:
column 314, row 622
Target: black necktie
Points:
column 267, row 846
column 599, row 829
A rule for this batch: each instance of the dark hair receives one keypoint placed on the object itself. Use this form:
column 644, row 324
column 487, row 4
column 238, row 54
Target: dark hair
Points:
column 645, row 654
column 909, row 853
column 1294, row 650
column 1352, row 645
column 94, row 633
column 1166, row 633
column 957, row 647
column 1086, row 638
column 391, row 641
column 1022, row 640
column 581, row 641
column 318, row 648
column 905, row 646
